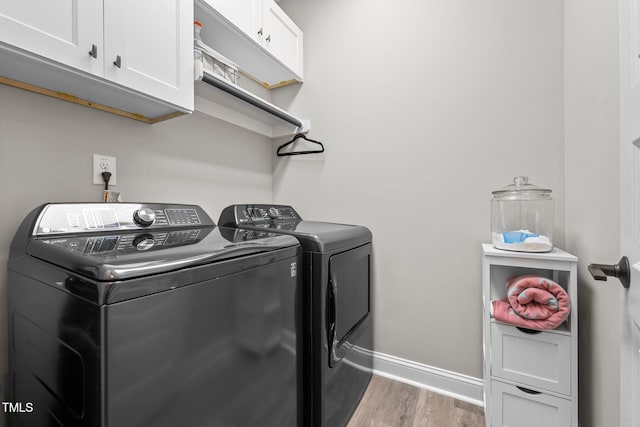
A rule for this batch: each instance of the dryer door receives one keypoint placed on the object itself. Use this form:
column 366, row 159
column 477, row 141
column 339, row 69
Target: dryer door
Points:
column 348, row 302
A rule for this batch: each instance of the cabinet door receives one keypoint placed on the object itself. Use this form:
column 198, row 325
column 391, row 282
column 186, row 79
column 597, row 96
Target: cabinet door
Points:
column 61, row 30
column 522, row 407
column 244, row 14
column 149, row 47
column 282, row 37
column 542, row 360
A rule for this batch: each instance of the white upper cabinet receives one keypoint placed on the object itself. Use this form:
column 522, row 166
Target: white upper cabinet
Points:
column 148, row 44
column 255, row 34
column 132, row 56
column 281, row 36
column 244, row 14
column 66, row 31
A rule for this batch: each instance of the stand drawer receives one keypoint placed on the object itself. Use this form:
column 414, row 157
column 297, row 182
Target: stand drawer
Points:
column 541, row 360
column 513, row 406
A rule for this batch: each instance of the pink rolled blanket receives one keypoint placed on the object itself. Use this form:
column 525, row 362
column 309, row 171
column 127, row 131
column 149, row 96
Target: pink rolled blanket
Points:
column 533, row 302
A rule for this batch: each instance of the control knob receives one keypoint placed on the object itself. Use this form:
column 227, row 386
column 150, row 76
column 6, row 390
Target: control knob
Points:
column 144, row 217
column 273, row 213
column 144, row 242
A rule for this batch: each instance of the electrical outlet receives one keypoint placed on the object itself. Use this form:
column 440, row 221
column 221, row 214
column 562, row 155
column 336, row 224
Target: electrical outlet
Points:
column 102, row 163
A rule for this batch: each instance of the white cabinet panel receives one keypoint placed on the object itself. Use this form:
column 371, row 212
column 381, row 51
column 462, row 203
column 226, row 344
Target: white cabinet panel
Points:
column 151, row 41
column 542, row 360
column 515, row 407
column 244, row 14
column 282, row 37
column 61, row 30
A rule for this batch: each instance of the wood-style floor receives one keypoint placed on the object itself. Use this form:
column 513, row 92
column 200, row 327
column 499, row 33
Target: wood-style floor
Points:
column 388, row 403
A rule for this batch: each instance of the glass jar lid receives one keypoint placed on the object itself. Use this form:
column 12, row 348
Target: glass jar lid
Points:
column 521, row 189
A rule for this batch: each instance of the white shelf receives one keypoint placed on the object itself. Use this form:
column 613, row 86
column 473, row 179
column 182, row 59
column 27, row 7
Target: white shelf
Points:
column 555, row 254
column 219, row 98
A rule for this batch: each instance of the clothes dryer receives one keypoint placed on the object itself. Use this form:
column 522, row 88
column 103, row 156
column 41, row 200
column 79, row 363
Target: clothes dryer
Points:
column 337, row 355
column 138, row 315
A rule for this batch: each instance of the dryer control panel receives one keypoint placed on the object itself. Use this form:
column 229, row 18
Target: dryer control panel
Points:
column 266, row 215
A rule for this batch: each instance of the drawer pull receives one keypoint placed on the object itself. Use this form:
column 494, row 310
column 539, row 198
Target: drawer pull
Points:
column 94, row 51
column 528, row 391
column 528, row 331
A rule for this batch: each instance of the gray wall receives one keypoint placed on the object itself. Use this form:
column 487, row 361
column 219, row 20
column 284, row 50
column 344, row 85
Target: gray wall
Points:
column 425, row 107
column 592, row 165
column 46, row 148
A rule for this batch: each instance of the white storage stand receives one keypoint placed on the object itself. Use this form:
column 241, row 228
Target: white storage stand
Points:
column 530, row 377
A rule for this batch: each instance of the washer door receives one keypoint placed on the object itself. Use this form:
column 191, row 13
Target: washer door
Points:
column 347, row 300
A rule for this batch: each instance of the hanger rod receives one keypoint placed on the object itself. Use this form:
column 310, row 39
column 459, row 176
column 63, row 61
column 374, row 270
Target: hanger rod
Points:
column 252, row 99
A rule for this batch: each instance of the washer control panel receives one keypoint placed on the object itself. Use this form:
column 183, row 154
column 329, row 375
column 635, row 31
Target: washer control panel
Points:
column 128, row 242
column 67, row 218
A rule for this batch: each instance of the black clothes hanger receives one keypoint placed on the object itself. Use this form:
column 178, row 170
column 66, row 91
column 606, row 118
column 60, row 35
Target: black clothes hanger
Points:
column 295, row 153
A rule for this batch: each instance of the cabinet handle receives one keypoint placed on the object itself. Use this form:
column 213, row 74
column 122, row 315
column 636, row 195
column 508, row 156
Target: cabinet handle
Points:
column 527, row 390
column 268, row 38
column 94, row 51
column 528, row 331
column 260, row 31
column 118, row 61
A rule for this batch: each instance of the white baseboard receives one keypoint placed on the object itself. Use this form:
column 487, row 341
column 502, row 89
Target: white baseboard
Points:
column 452, row 384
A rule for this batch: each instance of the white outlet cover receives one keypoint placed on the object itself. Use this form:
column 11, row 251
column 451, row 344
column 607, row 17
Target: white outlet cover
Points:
column 103, row 163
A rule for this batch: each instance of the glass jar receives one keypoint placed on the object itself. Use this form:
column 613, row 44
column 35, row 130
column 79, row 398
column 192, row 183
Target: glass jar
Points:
column 522, row 217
